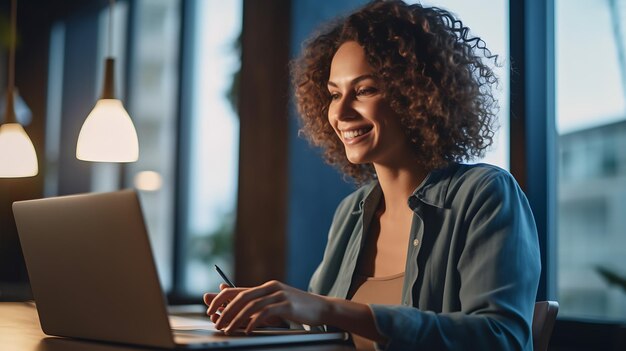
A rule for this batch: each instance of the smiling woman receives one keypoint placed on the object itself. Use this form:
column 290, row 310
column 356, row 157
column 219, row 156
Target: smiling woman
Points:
column 429, row 253
column 445, row 100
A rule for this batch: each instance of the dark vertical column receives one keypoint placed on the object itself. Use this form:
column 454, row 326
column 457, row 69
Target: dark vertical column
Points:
column 31, row 70
column 533, row 134
column 260, row 240
column 186, row 63
column 31, row 66
column 130, row 52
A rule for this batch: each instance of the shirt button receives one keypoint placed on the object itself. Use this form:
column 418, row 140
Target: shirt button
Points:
column 416, row 242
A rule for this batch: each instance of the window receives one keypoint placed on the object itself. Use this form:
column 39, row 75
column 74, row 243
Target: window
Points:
column 209, row 176
column 591, row 127
column 150, row 97
column 152, row 103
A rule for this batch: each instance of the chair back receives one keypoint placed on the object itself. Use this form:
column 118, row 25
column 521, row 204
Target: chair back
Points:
column 543, row 322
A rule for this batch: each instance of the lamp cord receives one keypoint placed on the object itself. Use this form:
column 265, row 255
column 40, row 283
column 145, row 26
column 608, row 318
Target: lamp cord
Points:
column 109, row 70
column 10, row 109
column 111, row 7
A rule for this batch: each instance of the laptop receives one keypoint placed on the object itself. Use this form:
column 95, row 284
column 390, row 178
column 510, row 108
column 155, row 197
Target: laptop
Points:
column 93, row 277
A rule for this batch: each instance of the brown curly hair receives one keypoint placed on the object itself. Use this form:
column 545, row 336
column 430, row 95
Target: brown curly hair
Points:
column 430, row 70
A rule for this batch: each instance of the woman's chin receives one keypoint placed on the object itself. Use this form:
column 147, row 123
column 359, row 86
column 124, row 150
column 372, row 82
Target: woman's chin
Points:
column 356, row 159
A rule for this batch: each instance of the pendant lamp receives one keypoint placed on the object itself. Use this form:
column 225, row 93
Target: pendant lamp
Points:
column 108, row 133
column 17, row 154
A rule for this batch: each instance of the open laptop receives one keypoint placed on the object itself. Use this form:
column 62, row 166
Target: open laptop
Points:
column 93, row 277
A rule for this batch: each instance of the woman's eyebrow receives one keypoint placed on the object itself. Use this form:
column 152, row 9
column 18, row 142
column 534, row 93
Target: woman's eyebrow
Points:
column 354, row 81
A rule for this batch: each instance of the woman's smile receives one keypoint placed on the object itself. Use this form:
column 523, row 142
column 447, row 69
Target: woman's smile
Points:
column 355, row 135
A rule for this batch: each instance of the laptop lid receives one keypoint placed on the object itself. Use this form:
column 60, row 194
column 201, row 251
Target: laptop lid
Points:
column 91, row 268
column 93, row 276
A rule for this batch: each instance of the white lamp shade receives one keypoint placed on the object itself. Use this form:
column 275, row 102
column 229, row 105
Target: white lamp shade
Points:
column 108, row 134
column 17, row 154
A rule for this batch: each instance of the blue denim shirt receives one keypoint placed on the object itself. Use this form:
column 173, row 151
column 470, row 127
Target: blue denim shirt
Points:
column 472, row 267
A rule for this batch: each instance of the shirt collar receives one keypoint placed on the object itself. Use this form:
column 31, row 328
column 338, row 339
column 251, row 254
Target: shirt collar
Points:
column 373, row 193
column 432, row 191
column 434, row 188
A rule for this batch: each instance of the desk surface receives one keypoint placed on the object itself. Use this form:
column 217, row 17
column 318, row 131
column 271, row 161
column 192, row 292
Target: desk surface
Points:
column 20, row 330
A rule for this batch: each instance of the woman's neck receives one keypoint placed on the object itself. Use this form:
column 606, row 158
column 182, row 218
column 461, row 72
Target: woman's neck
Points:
column 398, row 183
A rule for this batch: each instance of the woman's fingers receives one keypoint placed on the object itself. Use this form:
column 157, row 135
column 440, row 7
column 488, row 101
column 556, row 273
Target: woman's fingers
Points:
column 254, row 307
column 270, row 312
column 241, row 300
column 208, row 297
column 223, row 297
column 215, row 316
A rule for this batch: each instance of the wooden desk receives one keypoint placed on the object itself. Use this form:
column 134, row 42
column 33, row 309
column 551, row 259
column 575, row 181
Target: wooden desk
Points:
column 20, row 330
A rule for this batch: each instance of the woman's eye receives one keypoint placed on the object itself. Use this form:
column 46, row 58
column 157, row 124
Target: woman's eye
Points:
column 334, row 96
column 366, row 91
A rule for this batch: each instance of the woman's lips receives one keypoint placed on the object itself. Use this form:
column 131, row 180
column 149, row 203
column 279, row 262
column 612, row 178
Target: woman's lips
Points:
column 355, row 135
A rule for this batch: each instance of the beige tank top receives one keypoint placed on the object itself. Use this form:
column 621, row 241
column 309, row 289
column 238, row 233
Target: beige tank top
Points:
column 375, row 290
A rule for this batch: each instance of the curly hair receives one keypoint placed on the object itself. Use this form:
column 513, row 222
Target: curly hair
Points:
column 431, row 73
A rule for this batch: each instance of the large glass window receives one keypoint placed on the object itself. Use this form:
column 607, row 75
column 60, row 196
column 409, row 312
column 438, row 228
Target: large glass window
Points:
column 145, row 45
column 591, row 127
column 213, row 144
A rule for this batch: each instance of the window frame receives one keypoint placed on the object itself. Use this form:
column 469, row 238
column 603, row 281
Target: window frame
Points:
column 532, row 120
column 176, row 295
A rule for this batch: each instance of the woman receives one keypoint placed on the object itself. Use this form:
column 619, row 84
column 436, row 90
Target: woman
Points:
column 429, row 253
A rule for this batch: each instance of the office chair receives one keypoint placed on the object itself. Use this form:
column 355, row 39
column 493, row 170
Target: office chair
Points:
column 543, row 322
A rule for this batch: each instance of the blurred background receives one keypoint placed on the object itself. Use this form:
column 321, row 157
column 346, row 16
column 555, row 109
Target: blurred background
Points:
column 224, row 178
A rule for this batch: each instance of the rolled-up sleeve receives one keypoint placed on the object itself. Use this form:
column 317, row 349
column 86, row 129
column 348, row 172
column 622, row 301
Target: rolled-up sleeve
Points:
column 498, row 267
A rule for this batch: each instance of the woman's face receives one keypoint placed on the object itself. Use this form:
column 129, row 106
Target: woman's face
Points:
column 369, row 129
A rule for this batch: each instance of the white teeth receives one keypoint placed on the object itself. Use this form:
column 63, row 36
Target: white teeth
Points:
column 351, row 134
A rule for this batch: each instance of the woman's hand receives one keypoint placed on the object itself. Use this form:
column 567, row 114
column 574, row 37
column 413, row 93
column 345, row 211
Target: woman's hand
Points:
column 270, row 322
column 208, row 297
column 263, row 305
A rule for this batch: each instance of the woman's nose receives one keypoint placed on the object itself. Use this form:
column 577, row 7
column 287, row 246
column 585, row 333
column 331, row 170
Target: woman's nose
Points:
column 343, row 109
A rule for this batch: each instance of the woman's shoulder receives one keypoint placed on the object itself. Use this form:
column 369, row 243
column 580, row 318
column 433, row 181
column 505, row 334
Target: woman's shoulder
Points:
column 480, row 173
column 489, row 180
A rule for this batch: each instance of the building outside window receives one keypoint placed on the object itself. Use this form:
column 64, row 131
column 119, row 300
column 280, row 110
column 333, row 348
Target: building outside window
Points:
column 591, row 128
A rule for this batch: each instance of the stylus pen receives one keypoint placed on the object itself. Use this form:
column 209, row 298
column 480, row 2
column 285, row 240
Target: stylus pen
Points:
column 223, row 275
